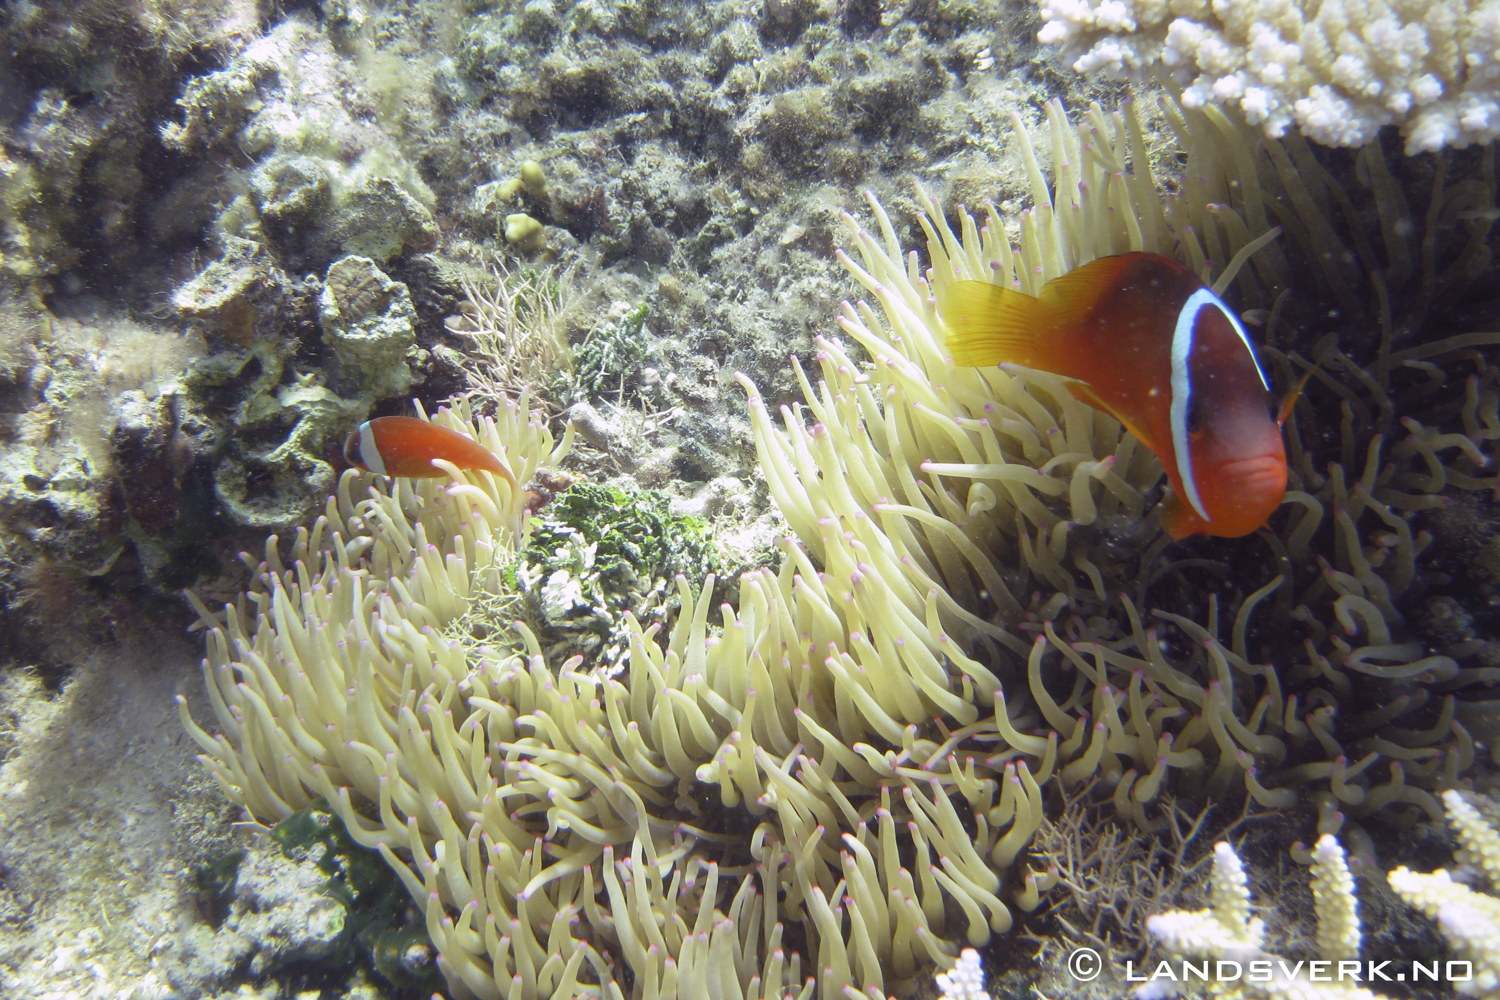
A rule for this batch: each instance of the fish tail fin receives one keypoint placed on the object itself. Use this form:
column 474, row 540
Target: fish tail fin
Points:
column 497, row 466
column 987, row 324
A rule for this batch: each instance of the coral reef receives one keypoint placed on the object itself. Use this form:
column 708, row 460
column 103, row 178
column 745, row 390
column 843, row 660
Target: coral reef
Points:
column 832, row 791
column 74, row 168
column 923, row 499
column 368, row 320
column 276, row 913
column 306, row 894
column 1469, row 920
column 93, row 398
column 198, row 175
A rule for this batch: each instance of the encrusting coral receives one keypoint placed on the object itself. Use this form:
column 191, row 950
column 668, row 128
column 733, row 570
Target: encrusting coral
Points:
column 832, row 790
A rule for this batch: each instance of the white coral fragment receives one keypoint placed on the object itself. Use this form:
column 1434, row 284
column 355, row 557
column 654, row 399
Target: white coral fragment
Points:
column 1228, row 932
column 1339, row 69
column 965, row 981
column 1469, row 921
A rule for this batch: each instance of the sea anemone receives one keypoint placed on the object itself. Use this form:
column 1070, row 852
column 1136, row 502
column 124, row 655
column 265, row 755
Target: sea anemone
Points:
column 835, row 786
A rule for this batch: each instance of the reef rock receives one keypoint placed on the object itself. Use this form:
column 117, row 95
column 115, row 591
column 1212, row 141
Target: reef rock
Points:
column 369, row 321
column 238, row 296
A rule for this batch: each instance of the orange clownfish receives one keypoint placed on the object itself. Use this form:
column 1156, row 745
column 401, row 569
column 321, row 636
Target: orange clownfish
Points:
column 1153, row 347
column 406, row 446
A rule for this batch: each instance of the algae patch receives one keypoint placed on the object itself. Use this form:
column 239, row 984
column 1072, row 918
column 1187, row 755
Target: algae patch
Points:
column 600, row 551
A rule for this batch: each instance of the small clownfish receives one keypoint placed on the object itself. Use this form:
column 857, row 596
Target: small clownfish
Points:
column 1153, row 347
column 406, row 446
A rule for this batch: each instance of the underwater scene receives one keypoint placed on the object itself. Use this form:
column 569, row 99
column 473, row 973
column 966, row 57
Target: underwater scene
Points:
column 749, row 499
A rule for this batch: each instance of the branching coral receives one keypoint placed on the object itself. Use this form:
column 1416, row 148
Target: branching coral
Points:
column 1339, row 70
column 1227, row 931
column 965, row 981
column 1468, row 919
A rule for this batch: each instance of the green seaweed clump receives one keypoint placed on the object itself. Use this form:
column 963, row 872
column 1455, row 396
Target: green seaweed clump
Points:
column 382, row 929
column 609, row 363
column 599, row 551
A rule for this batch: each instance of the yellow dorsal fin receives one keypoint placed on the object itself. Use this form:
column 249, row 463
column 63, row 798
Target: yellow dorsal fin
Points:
column 1072, row 297
column 988, row 324
column 1084, row 393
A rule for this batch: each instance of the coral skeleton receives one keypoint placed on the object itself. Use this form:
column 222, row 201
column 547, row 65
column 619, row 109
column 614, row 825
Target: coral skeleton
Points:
column 965, row 981
column 1468, row 920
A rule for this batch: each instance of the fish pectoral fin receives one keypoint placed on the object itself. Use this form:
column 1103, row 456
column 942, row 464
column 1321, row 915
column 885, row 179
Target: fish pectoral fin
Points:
column 1179, row 520
column 1289, row 401
column 987, row 324
column 1084, row 393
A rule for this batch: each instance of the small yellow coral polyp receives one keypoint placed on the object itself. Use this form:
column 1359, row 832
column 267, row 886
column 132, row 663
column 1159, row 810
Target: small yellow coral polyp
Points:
column 522, row 231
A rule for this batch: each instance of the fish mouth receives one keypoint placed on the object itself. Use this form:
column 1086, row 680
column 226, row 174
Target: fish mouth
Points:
column 1255, row 478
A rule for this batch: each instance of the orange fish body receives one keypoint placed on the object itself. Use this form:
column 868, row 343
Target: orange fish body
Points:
column 1149, row 344
column 406, row 446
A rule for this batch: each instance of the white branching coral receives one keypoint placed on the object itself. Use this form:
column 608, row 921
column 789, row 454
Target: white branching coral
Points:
column 1469, row 920
column 1228, row 932
column 965, row 981
column 1339, row 70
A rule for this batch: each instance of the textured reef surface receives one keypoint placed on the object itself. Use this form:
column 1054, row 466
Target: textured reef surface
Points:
column 796, row 661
